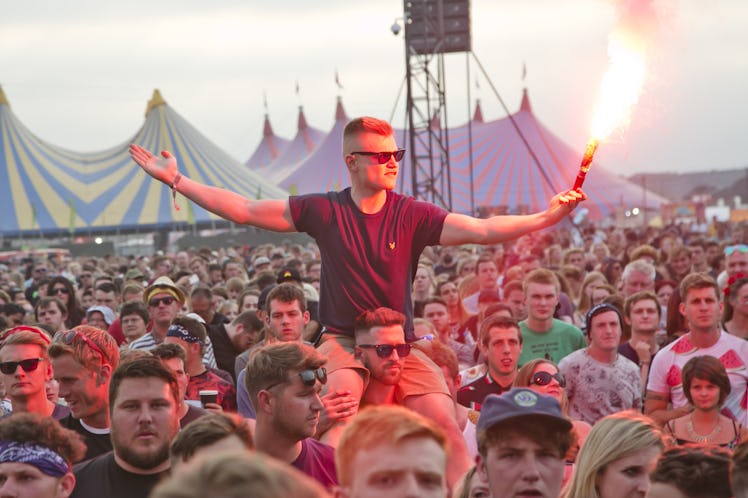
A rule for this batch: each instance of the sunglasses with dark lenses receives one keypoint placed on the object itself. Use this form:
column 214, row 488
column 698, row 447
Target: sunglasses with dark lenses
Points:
column 309, row 377
column 28, row 365
column 383, row 157
column 60, row 290
column 70, row 336
column 385, row 350
column 544, row 378
column 168, row 300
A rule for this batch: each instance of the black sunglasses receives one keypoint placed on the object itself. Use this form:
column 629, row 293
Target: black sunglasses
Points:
column 168, row 300
column 308, row 378
column 385, row 350
column 544, row 378
column 59, row 290
column 68, row 337
column 28, row 365
column 383, row 157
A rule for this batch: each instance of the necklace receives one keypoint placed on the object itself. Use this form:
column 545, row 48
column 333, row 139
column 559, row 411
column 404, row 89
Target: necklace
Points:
column 706, row 438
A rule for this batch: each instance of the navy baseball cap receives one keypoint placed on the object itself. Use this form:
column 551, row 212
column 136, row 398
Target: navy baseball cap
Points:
column 520, row 402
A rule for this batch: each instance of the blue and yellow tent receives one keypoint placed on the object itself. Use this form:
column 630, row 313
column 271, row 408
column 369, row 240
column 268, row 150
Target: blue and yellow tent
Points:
column 46, row 189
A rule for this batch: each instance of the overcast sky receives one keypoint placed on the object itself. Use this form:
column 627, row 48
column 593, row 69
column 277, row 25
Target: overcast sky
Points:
column 78, row 74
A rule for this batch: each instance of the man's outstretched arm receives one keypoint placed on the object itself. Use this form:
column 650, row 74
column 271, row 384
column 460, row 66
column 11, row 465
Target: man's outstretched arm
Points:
column 270, row 214
column 462, row 229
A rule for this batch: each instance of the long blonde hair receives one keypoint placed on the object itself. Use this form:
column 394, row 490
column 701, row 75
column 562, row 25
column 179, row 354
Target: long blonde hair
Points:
column 612, row 438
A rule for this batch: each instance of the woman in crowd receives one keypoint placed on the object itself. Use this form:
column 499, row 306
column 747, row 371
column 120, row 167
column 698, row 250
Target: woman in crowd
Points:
column 458, row 315
column 591, row 281
column 423, row 288
column 542, row 375
column 664, row 289
column 706, row 385
column 473, row 485
column 612, row 269
column 617, row 458
column 248, row 300
column 735, row 316
column 62, row 288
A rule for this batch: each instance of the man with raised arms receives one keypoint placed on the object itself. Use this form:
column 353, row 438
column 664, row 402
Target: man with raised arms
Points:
column 370, row 239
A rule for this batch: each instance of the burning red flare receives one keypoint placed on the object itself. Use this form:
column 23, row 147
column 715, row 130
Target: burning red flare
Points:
column 619, row 92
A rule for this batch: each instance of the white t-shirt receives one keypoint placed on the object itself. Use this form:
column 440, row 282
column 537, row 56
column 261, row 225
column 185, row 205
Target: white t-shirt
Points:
column 732, row 352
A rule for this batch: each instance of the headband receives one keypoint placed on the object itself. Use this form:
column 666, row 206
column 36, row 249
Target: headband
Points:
column 182, row 333
column 163, row 290
column 41, row 457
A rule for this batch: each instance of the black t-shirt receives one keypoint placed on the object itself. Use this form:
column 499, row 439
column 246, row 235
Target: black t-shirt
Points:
column 96, row 444
column 223, row 348
column 368, row 260
column 102, row 477
column 473, row 394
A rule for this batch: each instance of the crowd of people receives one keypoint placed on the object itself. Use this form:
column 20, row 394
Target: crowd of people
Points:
column 407, row 351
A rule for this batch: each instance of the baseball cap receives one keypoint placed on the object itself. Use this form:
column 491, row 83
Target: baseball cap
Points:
column 104, row 310
column 520, row 402
column 288, row 275
column 261, row 260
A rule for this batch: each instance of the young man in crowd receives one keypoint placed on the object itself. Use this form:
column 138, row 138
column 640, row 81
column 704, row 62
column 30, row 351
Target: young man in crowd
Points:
column 51, row 312
column 143, row 397
column 373, row 263
column 284, row 380
column 391, row 451
column 599, row 381
column 500, row 343
column 544, row 336
column 642, row 313
column 522, row 441
column 83, row 360
column 702, row 309
column 191, row 336
column 25, row 370
column 173, row 357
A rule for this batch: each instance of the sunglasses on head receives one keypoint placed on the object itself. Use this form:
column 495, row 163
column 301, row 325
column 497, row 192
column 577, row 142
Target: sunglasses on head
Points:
column 738, row 247
column 383, row 157
column 385, row 350
column 70, row 336
column 544, row 378
column 168, row 300
column 308, row 377
column 28, row 365
column 59, row 290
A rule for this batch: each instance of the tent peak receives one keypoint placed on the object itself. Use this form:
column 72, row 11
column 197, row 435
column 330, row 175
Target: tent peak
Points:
column 525, row 105
column 156, row 100
column 267, row 128
column 302, row 124
column 339, row 111
column 478, row 114
column 3, row 98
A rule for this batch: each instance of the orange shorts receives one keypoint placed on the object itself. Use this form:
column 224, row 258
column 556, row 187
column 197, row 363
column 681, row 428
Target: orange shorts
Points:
column 420, row 374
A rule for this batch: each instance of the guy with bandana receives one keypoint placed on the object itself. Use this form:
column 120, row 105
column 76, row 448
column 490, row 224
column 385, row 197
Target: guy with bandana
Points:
column 191, row 335
column 36, row 456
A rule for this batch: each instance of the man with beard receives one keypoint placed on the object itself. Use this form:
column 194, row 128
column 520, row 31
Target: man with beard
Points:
column 143, row 398
column 381, row 347
column 284, row 380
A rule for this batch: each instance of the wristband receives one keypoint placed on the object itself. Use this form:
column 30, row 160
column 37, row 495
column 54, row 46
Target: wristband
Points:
column 174, row 184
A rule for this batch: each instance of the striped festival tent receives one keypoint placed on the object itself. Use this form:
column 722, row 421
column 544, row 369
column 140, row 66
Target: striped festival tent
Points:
column 46, row 189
